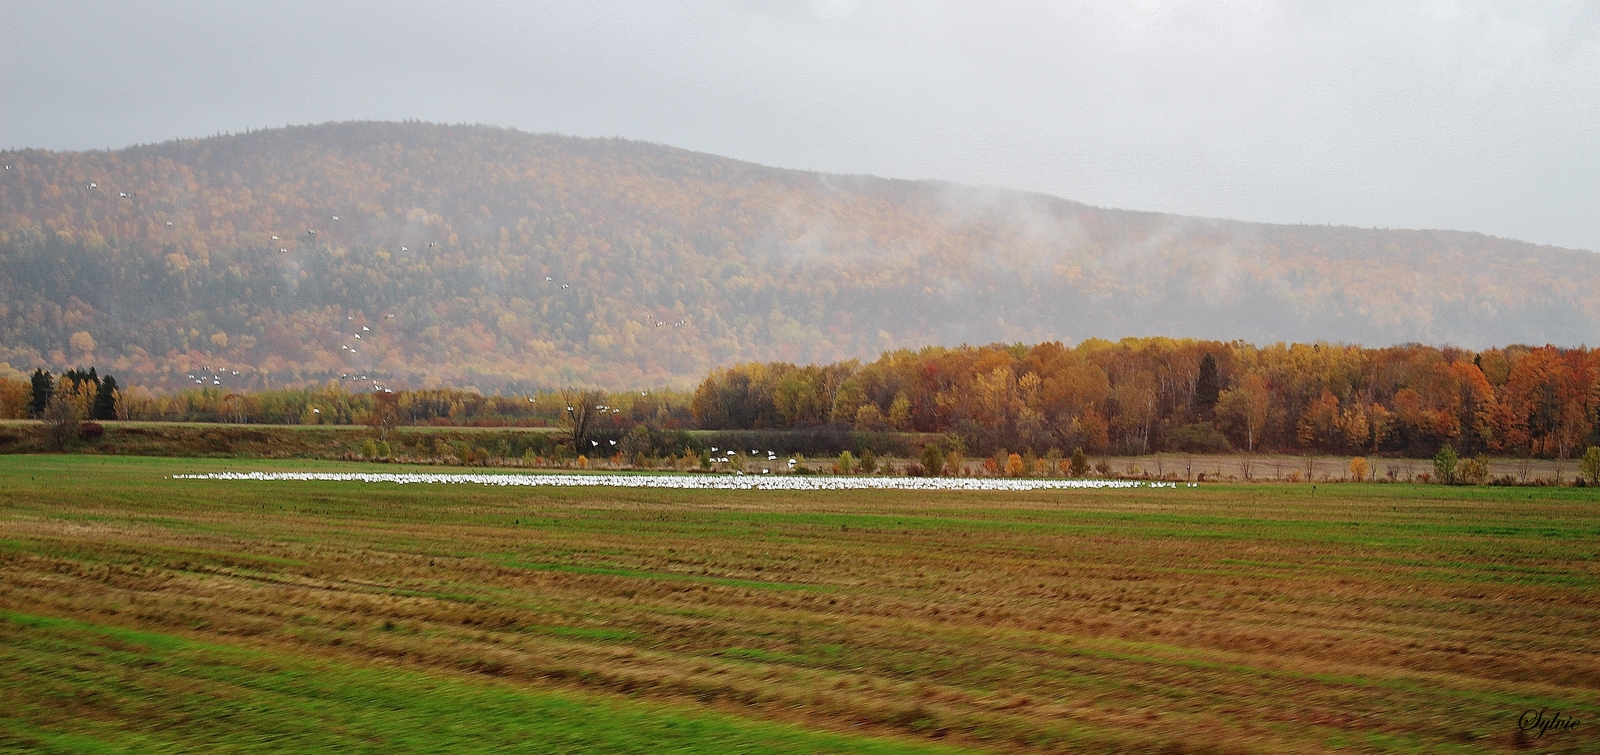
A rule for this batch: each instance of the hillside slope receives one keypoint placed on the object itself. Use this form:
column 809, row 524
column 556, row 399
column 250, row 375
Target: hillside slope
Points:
column 479, row 256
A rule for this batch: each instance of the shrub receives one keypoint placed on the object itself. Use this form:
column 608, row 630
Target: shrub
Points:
column 846, row 463
column 1014, row 466
column 91, row 430
column 1444, row 465
column 61, row 419
column 1200, row 438
column 1589, row 465
column 636, row 443
column 1052, row 462
column 1476, row 470
column 1359, row 469
column 1080, row 462
column 869, row 462
column 932, row 460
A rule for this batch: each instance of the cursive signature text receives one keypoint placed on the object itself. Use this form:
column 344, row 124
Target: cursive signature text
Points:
column 1543, row 720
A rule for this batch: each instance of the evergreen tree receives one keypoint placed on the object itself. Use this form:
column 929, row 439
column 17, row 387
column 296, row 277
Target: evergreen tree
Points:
column 43, row 387
column 105, row 399
column 1207, row 386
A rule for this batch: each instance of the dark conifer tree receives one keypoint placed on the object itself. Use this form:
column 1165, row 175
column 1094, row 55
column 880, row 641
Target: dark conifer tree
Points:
column 1207, row 386
column 105, row 399
column 43, row 386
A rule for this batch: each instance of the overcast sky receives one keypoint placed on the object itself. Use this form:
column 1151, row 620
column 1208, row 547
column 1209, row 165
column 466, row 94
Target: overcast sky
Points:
column 1468, row 115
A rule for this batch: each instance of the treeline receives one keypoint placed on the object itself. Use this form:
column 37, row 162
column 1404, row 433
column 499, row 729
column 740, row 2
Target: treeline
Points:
column 333, row 404
column 1142, row 395
column 1134, row 396
column 83, row 393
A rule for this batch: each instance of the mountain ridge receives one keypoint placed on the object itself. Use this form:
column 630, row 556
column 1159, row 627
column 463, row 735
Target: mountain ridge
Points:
column 454, row 230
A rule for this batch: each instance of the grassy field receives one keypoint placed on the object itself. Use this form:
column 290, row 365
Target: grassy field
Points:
column 144, row 614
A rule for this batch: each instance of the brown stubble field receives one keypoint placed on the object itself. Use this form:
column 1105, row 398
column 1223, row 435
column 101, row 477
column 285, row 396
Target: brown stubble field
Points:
column 1255, row 618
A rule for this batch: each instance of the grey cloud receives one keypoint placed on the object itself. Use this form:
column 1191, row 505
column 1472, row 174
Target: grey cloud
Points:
column 1469, row 115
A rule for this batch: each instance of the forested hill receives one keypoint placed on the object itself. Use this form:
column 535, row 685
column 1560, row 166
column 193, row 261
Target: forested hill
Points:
column 479, row 256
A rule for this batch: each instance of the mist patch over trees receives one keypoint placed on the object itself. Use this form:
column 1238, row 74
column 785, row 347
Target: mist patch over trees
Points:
column 504, row 261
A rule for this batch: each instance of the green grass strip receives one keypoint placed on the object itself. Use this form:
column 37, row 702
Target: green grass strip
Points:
column 74, row 687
